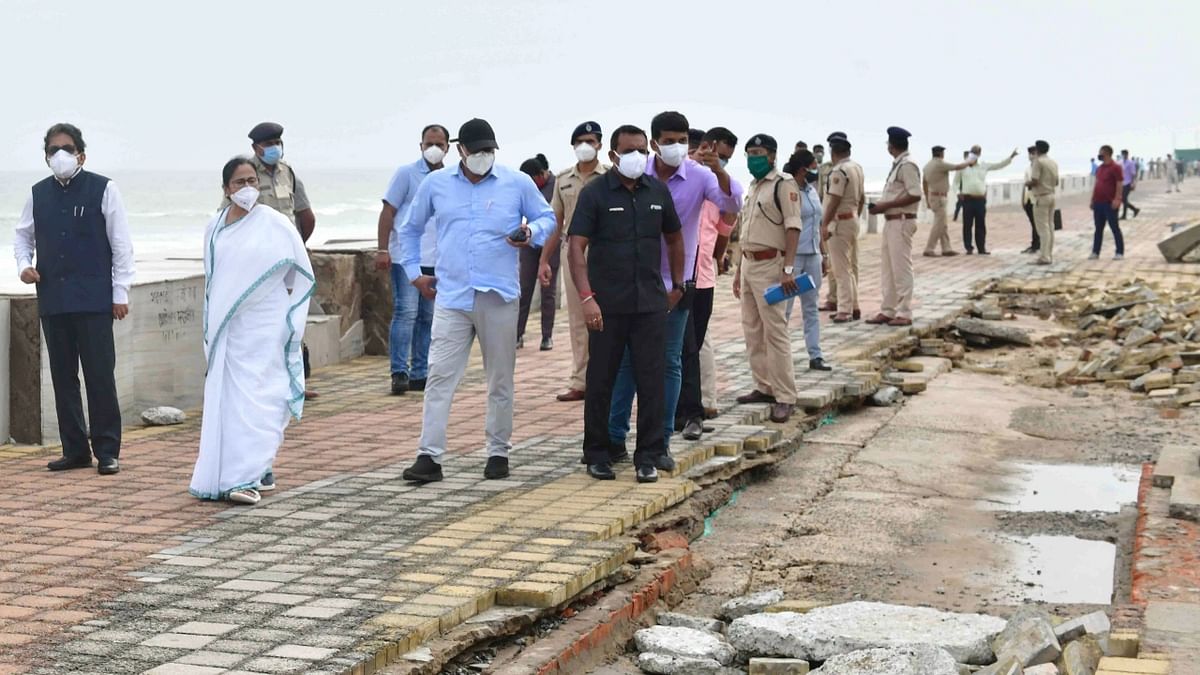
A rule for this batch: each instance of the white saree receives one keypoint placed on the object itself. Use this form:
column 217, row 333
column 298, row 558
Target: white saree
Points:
column 253, row 328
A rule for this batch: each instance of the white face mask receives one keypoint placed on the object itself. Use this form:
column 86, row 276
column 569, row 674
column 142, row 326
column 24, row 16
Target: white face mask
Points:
column 479, row 163
column 584, row 152
column 673, row 154
column 434, row 154
column 246, row 198
column 632, row 165
column 63, row 164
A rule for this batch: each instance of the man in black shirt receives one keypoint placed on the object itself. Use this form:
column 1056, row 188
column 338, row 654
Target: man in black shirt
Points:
column 616, row 235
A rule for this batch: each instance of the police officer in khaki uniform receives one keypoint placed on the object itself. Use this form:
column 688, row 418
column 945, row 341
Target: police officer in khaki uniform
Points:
column 936, row 184
column 1043, row 181
column 901, row 197
column 586, row 141
column 842, row 207
column 279, row 188
column 770, row 224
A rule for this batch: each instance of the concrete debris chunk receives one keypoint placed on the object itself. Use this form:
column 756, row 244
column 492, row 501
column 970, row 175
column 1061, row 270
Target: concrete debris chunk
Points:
column 838, row 629
column 1044, row 669
column 665, row 664
column 693, row 622
column 1081, row 657
column 750, row 604
column 1030, row 643
column 162, row 416
column 765, row 666
column 1007, row 665
column 911, row 660
column 886, row 396
column 1096, row 623
column 993, row 330
column 687, row 643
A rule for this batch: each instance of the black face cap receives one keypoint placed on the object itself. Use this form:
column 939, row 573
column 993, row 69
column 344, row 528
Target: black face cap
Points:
column 586, row 128
column 266, row 131
column 762, row 141
column 476, row 135
column 898, row 133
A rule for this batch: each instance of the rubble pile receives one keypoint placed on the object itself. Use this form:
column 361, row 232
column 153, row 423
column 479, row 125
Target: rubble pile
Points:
column 866, row 638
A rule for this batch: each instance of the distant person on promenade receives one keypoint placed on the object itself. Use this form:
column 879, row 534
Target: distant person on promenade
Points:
column 586, row 141
column 477, row 207
column 538, row 168
column 258, row 282
column 412, row 314
column 1035, row 242
column 810, row 253
column 1129, row 168
column 845, row 199
column 83, row 274
column 935, row 184
column 690, row 182
column 974, row 196
column 1106, row 199
column 623, row 223
column 899, row 203
column 1171, row 168
column 1094, row 165
column 280, row 189
column 1043, row 183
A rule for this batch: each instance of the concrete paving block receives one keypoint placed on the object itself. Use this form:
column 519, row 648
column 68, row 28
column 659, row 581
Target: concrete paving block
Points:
column 532, row 594
column 1032, row 643
column 1096, row 623
column 1112, row 664
column 1081, row 657
column 1179, row 244
column 1175, row 460
column 1185, row 498
column 1123, row 643
column 768, row 666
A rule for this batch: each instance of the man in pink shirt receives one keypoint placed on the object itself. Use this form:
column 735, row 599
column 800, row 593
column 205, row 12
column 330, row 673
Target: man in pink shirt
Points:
column 714, row 237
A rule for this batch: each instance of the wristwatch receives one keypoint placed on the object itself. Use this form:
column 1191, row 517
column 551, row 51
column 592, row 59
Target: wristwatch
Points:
column 787, row 269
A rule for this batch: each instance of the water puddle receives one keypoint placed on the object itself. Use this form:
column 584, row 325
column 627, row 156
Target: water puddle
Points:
column 1063, row 488
column 1065, row 569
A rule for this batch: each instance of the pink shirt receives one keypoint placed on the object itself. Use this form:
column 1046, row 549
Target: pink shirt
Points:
column 711, row 226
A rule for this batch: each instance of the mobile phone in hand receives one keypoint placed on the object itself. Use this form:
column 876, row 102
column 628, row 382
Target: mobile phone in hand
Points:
column 518, row 235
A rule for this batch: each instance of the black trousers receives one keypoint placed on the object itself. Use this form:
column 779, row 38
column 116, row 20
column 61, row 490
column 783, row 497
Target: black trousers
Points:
column 1036, row 241
column 530, row 259
column 645, row 335
column 1125, row 205
column 957, row 209
column 974, row 222
column 691, row 405
column 87, row 339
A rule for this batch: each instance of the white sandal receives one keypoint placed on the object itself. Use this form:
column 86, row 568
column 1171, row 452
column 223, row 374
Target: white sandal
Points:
column 247, row 496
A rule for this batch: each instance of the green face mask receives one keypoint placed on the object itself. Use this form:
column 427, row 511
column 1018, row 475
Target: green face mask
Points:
column 759, row 165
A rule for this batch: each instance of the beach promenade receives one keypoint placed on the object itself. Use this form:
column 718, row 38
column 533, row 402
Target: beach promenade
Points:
column 346, row 564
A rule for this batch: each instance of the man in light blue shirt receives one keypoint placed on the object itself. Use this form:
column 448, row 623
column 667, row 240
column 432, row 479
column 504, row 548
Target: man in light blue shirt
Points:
column 412, row 315
column 477, row 209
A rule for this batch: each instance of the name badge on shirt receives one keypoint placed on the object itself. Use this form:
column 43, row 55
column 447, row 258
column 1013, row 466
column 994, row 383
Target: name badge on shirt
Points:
column 616, row 209
column 656, row 207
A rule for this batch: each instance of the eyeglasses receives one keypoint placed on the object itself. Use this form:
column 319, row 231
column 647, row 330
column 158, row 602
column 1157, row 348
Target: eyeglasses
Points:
column 53, row 150
column 243, row 182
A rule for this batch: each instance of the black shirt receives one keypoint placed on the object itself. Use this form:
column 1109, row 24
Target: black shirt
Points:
column 624, row 230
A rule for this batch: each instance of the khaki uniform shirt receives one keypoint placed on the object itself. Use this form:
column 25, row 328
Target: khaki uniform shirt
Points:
column 822, row 174
column 1045, row 171
column 904, row 180
column 845, row 180
column 279, row 189
column 567, row 186
column 937, row 176
column 764, row 225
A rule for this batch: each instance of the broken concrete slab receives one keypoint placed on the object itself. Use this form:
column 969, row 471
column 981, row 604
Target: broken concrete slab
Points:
column 665, row 664
column 886, row 396
column 1007, row 665
column 993, row 330
column 1031, row 642
column 694, row 622
column 838, row 629
column 766, row 666
column 1044, row 669
column 797, row 606
column 687, row 643
column 1096, row 623
column 1081, row 657
column 909, row 366
column 917, row 659
column 750, row 604
column 1185, row 498
column 1179, row 244
column 1155, row 379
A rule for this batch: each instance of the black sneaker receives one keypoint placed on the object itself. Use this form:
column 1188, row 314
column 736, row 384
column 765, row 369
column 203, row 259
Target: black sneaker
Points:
column 818, row 364
column 66, row 463
column 416, row 384
column 664, row 462
column 424, row 470
column 647, row 474
column 400, row 383
column 497, row 467
column 602, row 471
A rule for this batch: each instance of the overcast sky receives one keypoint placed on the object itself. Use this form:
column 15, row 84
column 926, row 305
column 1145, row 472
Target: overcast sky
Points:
column 177, row 85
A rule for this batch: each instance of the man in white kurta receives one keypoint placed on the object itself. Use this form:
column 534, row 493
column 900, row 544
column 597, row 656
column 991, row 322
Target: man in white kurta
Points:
column 258, row 285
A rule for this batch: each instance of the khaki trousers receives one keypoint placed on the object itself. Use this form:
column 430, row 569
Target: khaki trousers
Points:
column 940, row 234
column 1043, row 220
column 578, row 328
column 896, row 273
column 708, row 375
column 768, row 343
column 843, row 259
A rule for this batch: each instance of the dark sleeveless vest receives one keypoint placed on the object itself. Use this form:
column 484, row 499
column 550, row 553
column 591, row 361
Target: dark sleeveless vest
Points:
column 74, row 258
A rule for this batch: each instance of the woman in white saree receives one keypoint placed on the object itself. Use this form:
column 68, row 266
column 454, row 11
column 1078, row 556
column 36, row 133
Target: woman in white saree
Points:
column 258, row 282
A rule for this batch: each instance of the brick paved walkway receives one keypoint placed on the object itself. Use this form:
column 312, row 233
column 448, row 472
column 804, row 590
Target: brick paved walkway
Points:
column 129, row 574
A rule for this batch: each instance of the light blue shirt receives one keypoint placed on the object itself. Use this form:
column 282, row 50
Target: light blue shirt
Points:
column 473, row 222
column 810, row 214
column 400, row 193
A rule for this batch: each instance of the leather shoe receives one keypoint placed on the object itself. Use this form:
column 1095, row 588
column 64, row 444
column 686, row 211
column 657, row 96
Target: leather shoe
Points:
column 399, row 383
column 69, row 463
column 828, row 307
column 818, row 364
column 880, row 318
column 547, row 344
column 781, row 412
column 664, row 462
column 983, row 252
column 647, row 474
column 693, row 430
column 108, row 466
column 497, row 467
column 900, row 321
column 929, row 254
column 570, row 395
column 856, row 314
column 417, row 384
column 841, row 318
column 601, row 472
column 755, row 396
column 949, row 253
column 424, row 470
